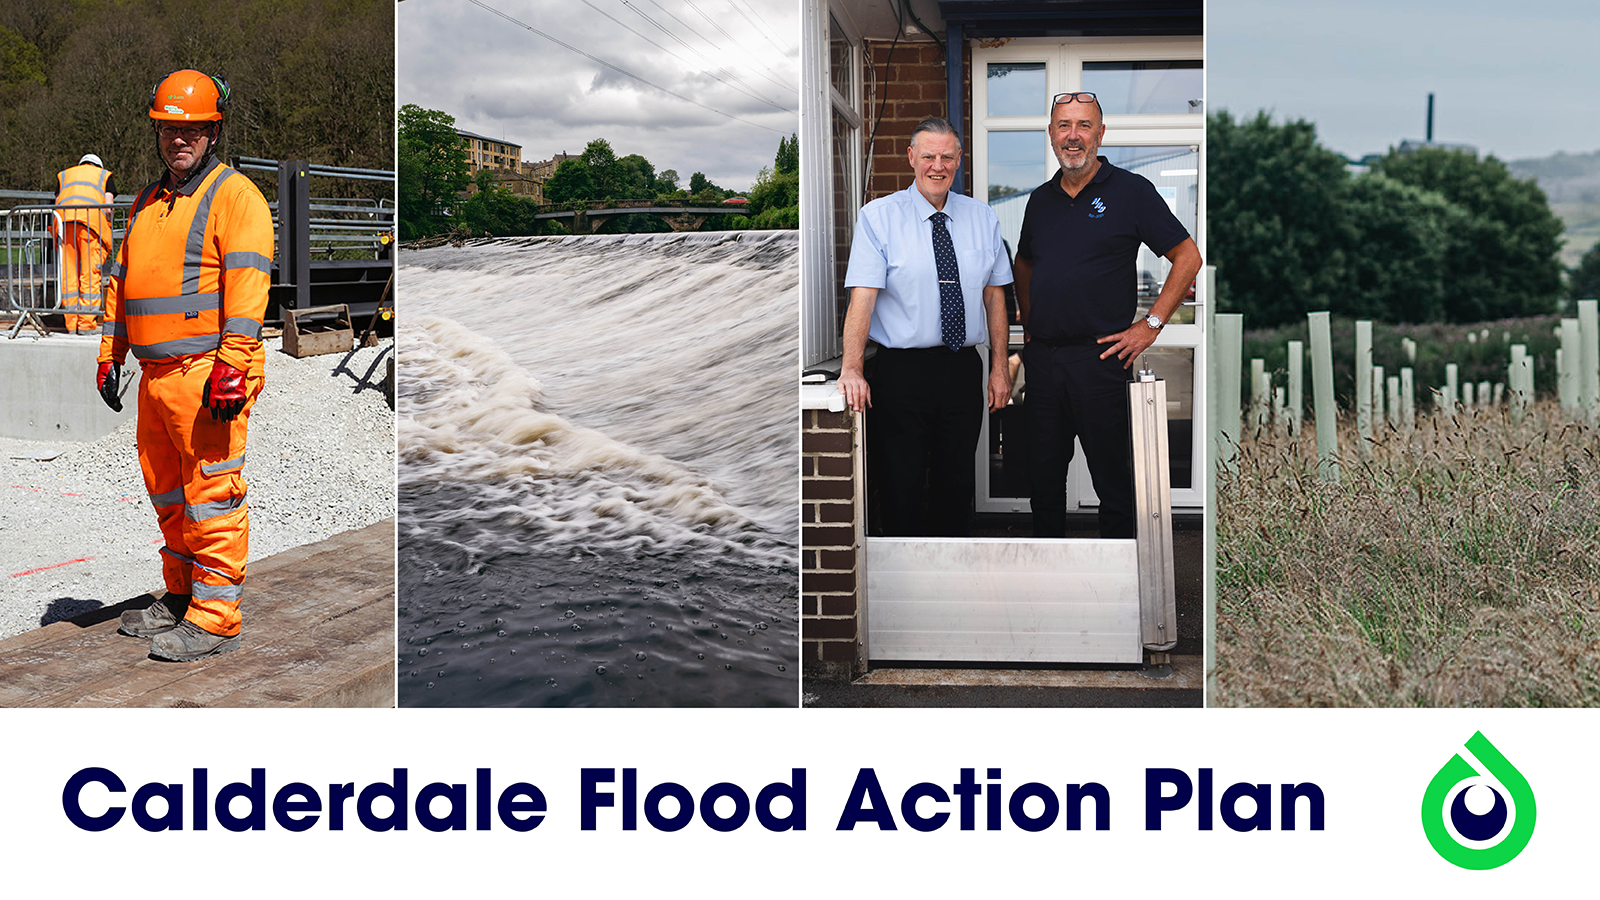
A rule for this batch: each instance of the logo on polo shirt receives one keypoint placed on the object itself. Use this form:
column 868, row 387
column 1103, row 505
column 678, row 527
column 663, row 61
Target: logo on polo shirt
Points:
column 1479, row 814
column 1099, row 208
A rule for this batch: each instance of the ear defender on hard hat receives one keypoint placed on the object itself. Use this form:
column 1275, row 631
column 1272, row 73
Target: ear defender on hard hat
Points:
column 188, row 95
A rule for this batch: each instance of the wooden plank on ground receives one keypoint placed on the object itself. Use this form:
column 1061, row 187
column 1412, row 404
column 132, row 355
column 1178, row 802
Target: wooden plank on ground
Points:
column 318, row 631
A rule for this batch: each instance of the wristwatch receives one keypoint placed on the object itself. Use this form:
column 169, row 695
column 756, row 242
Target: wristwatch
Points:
column 1154, row 321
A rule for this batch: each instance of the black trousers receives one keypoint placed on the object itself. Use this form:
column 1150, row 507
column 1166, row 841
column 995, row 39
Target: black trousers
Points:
column 927, row 410
column 1073, row 393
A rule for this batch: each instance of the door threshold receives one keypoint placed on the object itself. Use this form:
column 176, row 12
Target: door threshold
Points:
column 1188, row 674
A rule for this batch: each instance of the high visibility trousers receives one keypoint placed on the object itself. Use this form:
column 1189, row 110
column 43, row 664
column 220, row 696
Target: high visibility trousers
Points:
column 193, row 468
column 82, row 253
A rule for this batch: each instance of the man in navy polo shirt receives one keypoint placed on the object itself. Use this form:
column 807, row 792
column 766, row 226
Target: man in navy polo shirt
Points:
column 1077, row 292
column 927, row 268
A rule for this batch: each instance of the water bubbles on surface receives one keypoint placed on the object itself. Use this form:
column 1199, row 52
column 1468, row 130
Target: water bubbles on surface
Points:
column 466, row 646
column 422, row 651
column 499, row 621
column 502, row 633
column 639, row 656
column 569, row 614
column 729, row 667
column 599, row 670
column 700, row 655
column 783, row 668
column 724, row 636
column 513, row 653
column 430, row 685
column 761, row 625
column 576, row 627
column 587, row 607
column 550, row 681
column 461, row 624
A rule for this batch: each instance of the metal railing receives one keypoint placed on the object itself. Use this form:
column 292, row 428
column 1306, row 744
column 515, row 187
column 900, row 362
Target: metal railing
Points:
column 338, row 223
column 30, row 264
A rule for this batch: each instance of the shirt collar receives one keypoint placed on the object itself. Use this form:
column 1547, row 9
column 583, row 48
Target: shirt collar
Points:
column 1100, row 175
column 193, row 182
column 925, row 209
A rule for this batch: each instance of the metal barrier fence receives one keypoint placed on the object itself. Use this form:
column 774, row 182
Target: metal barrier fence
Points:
column 30, row 268
column 34, row 276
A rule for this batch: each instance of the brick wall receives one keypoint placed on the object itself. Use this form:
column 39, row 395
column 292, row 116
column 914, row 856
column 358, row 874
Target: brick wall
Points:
column 830, row 542
column 914, row 82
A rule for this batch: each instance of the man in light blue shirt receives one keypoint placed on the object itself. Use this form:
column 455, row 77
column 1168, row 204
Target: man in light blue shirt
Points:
column 927, row 268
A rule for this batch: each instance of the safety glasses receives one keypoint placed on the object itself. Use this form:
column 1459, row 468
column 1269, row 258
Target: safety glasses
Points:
column 190, row 133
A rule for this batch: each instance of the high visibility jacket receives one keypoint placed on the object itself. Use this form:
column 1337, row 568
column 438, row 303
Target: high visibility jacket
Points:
column 85, row 185
column 192, row 274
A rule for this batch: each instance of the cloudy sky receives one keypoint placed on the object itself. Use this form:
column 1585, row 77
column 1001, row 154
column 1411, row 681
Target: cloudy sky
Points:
column 500, row 79
column 1515, row 79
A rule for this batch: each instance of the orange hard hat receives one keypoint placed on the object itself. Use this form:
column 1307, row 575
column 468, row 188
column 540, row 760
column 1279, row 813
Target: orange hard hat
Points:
column 189, row 96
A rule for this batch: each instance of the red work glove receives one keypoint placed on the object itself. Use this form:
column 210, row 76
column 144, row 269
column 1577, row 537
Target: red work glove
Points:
column 224, row 393
column 105, row 381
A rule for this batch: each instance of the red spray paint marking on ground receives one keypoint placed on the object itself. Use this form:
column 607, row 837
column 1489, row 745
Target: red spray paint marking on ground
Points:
column 55, row 566
column 23, row 487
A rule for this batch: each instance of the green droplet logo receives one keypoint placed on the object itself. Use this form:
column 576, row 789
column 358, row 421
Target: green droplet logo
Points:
column 1493, row 833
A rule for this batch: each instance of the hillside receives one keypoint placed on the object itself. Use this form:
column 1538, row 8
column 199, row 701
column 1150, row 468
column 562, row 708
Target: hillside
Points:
column 1572, row 182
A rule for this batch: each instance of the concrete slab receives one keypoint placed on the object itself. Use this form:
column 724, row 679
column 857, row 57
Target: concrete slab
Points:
column 47, row 389
column 319, row 631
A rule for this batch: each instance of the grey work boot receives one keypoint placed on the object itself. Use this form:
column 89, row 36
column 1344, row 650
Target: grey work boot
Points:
column 157, row 618
column 189, row 642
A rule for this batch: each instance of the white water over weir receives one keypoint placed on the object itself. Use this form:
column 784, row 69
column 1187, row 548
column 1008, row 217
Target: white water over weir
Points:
column 598, row 471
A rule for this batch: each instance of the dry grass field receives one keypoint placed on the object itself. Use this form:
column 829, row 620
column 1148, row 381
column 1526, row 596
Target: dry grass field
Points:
column 1458, row 566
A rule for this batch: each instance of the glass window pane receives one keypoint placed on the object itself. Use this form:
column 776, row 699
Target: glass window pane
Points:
column 1018, row 163
column 1149, row 87
column 839, row 61
column 1175, row 171
column 1175, row 366
column 1017, row 89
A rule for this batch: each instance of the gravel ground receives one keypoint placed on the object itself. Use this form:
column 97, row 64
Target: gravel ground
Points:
column 77, row 532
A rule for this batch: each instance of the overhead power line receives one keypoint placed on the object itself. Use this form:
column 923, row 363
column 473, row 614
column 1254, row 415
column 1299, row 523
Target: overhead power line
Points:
column 732, row 39
column 618, row 69
column 687, row 46
column 686, row 63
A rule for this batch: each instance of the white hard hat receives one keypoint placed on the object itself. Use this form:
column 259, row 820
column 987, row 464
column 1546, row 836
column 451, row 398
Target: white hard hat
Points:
column 91, row 158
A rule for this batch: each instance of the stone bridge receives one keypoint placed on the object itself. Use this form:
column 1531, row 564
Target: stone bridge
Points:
column 599, row 215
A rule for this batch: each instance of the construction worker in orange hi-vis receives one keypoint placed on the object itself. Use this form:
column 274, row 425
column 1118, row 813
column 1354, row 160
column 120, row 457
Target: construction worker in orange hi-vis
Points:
column 85, row 239
column 188, row 291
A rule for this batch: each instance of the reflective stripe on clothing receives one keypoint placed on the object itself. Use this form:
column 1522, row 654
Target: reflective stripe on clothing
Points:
column 170, row 498
column 174, row 349
column 227, row 465
column 199, row 512
column 245, row 259
column 226, row 592
column 166, row 306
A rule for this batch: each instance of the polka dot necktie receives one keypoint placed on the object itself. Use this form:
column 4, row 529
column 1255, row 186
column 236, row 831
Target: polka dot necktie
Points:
column 952, row 311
